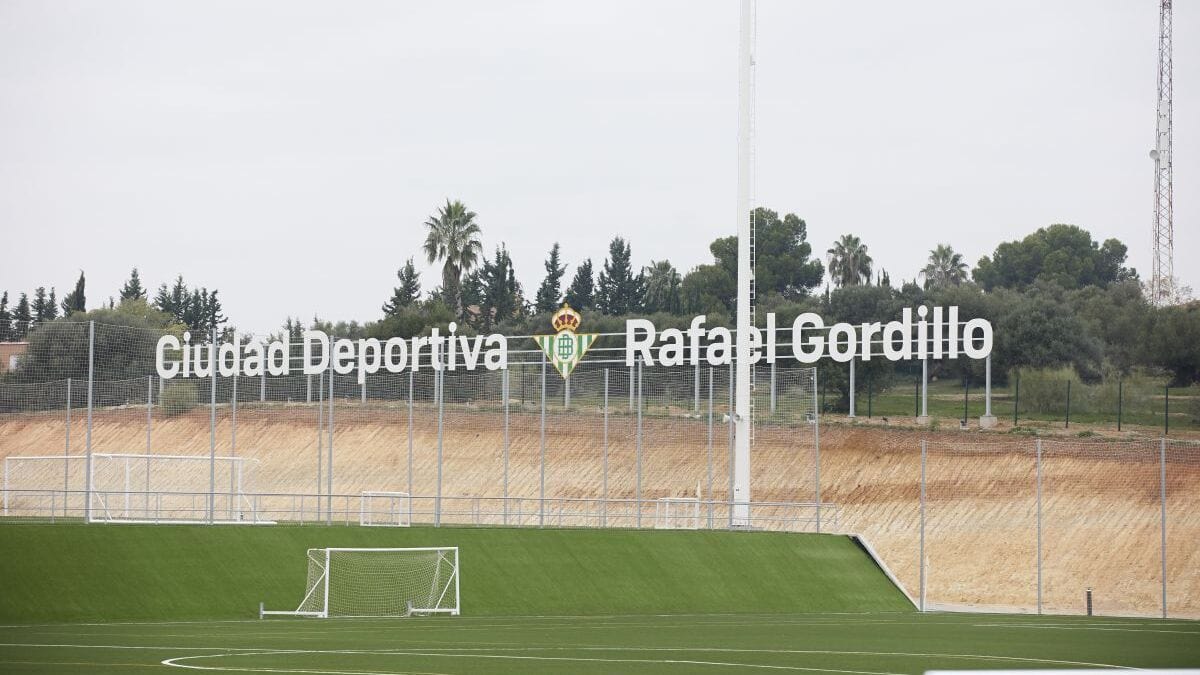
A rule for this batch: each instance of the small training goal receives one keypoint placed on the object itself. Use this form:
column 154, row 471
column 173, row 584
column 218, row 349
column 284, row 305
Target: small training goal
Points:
column 378, row 582
column 385, row 509
column 677, row 513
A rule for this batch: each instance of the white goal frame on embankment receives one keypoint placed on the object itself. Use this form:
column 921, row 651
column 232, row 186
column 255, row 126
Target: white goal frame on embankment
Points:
column 322, row 587
column 398, row 515
column 670, row 512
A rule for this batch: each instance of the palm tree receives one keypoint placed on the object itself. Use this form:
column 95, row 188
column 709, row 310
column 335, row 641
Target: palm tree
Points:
column 849, row 264
column 945, row 268
column 662, row 287
column 454, row 239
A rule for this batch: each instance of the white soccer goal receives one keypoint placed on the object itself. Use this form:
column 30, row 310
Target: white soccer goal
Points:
column 141, row 488
column 378, row 582
column 677, row 513
column 385, row 509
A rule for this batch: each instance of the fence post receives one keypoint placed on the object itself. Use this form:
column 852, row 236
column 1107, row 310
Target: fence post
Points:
column 966, row 393
column 817, row 453
column 1166, row 410
column 631, row 382
column 696, row 387
column 87, row 494
column 504, row 384
column 709, row 490
column 1120, row 400
column 640, row 405
column 149, row 409
column 732, row 441
column 542, row 447
column 233, row 417
column 852, row 390
column 924, row 391
column 262, row 385
column 1068, row 425
column 1016, row 397
column 67, row 455
column 320, row 438
column 1162, row 498
column 1039, row 526
column 567, row 392
column 329, row 453
column 922, row 541
column 308, row 389
column 410, row 442
column 870, row 393
column 773, row 390
column 604, row 479
column 439, row 377
column 212, row 427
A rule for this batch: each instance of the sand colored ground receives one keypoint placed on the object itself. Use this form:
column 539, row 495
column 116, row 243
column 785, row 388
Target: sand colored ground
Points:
column 1101, row 502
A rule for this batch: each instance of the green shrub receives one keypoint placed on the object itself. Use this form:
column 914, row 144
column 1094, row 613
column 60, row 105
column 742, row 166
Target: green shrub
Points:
column 179, row 397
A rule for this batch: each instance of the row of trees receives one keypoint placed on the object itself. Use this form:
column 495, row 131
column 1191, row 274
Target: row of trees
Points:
column 1057, row 297
column 195, row 309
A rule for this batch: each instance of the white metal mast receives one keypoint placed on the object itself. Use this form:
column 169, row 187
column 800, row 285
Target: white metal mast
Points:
column 745, row 282
column 1162, row 275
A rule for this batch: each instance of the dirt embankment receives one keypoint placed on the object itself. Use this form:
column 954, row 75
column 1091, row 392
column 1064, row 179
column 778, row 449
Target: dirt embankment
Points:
column 1100, row 516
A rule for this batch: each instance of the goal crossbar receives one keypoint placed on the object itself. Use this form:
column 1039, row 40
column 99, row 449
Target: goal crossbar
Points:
column 378, row 582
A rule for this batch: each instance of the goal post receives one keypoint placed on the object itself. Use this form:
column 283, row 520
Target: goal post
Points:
column 378, row 582
column 677, row 513
column 385, row 509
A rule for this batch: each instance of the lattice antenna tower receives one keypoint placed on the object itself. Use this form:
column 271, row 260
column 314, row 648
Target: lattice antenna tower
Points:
column 1162, row 275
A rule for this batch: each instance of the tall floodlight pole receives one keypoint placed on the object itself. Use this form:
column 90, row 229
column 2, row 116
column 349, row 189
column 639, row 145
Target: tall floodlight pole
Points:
column 742, row 413
column 1162, row 275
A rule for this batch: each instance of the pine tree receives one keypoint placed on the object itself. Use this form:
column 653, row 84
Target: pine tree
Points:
column 6, row 327
column 212, row 311
column 39, row 304
column 550, row 291
column 76, row 301
column 581, row 294
column 22, row 317
column 133, row 290
column 407, row 292
column 619, row 291
column 501, row 292
column 52, row 306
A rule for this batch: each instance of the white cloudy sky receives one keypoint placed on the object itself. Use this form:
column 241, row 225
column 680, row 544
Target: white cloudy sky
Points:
column 287, row 152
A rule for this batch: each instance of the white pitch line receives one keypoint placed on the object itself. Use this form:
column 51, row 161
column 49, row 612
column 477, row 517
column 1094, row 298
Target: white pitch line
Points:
column 174, row 662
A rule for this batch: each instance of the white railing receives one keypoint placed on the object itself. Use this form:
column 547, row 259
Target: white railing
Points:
column 268, row 508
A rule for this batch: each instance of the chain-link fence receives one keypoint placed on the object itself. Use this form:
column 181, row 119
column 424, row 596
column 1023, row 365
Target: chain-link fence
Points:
column 999, row 521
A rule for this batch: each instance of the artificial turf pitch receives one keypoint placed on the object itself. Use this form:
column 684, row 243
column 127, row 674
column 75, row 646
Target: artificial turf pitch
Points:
column 130, row 599
column 666, row 644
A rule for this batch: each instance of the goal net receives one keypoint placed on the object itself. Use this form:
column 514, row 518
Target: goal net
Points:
column 385, row 509
column 677, row 513
column 131, row 487
column 378, row 582
column 139, row 488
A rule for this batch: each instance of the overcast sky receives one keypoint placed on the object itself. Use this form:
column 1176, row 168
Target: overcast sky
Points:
column 288, row 153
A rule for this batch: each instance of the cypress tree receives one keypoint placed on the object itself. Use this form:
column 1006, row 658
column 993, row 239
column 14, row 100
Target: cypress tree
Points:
column 619, row 292
column 76, row 301
column 550, row 291
column 22, row 318
column 39, row 304
column 582, row 292
column 407, row 292
column 6, row 327
column 133, row 290
column 52, row 306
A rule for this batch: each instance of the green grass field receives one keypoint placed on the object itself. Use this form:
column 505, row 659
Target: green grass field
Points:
column 635, row 644
column 132, row 599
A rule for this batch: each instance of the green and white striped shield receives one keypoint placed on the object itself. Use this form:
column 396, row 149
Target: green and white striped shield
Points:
column 565, row 349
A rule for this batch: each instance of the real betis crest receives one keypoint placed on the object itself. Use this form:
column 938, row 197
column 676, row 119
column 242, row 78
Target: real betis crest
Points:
column 566, row 348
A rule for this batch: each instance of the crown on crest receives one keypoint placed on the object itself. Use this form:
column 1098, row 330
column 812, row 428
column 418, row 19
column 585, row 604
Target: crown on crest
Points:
column 566, row 319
